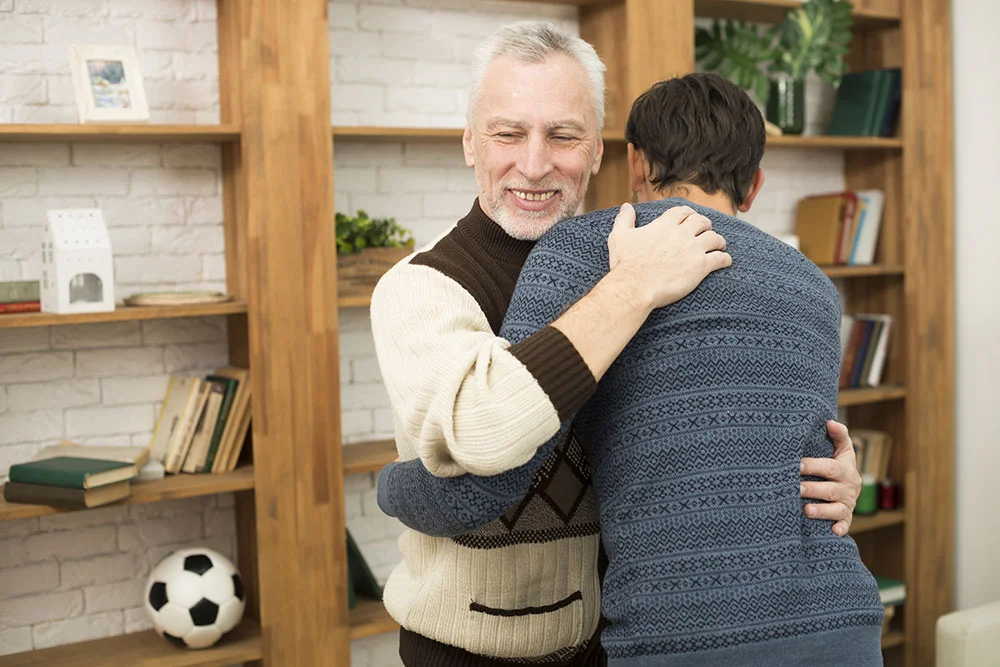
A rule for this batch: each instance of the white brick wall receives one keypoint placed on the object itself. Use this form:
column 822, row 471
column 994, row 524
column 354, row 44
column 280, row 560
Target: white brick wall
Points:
column 393, row 62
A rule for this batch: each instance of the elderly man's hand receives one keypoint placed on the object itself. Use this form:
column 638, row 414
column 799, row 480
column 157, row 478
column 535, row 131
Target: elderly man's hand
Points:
column 843, row 485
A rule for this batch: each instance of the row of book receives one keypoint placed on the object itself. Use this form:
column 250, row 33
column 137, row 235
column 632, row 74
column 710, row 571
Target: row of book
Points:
column 20, row 296
column 864, row 348
column 840, row 228
column 73, row 475
column 203, row 422
column 867, row 104
column 872, row 450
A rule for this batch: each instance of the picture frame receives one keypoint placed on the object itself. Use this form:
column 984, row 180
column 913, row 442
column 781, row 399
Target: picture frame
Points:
column 108, row 84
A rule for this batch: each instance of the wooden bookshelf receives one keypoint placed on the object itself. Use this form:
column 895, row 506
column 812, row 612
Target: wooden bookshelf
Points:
column 145, row 649
column 122, row 314
column 892, row 639
column 369, row 618
column 881, row 519
column 863, row 271
column 866, row 396
column 368, row 456
column 110, row 133
column 774, row 11
column 170, row 487
column 354, row 301
column 369, row 133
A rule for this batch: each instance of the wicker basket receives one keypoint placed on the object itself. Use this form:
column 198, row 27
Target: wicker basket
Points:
column 358, row 272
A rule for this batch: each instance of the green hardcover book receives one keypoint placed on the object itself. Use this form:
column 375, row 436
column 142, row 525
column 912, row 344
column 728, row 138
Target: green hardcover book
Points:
column 72, row 472
column 17, row 291
column 891, row 591
column 220, row 425
column 855, row 106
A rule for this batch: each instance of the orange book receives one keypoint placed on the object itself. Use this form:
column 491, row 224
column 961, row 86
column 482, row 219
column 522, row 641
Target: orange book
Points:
column 819, row 224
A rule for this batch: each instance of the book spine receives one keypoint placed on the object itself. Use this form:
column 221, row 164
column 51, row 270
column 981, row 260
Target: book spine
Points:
column 37, row 494
column 66, row 479
column 21, row 307
column 15, row 291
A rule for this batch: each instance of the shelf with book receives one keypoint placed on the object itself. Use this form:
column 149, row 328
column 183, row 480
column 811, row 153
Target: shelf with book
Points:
column 123, row 314
column 863, row 271
column 369, row 618
column 146, row 649
column 774, row 11
column 867, row 395
column 881, row 519
column 119, row 133
column 170, row 487
column 368, row 456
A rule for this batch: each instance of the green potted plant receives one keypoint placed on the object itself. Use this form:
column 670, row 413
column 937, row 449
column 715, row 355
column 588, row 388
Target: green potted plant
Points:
column 813, row 37
column 366, row 248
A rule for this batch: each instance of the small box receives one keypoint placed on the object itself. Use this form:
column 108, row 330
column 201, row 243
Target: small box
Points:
column 77, row 263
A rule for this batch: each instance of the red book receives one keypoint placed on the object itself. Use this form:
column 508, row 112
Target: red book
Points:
column 21, row 307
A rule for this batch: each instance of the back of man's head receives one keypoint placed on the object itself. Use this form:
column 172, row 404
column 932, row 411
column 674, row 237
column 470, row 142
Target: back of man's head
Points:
column 698, row 129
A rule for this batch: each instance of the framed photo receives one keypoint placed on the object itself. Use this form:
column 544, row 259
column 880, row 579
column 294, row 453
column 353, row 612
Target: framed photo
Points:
column 108, row 84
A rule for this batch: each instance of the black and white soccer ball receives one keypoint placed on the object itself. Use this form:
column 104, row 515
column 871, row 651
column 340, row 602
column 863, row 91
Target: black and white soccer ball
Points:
column 194, row 597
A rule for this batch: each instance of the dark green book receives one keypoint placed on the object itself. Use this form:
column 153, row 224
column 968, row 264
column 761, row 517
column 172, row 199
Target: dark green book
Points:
column 220, row 424
column 72, row 472
column 855, row 107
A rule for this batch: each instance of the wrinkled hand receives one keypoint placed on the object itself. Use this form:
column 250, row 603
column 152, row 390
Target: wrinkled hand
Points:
column 843, row 485
column 670, row 256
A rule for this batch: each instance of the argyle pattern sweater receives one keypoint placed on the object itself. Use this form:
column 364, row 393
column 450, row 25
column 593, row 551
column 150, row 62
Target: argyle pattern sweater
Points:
column 694, row 438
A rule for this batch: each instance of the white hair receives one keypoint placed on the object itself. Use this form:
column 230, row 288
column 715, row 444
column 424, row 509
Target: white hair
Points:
column 534, row 42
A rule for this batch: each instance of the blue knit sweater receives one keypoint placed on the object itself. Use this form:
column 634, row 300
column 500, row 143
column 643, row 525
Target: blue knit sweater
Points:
column 694, row 439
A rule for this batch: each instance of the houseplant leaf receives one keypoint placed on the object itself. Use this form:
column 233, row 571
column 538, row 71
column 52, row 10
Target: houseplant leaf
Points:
column 736, row 50
column 815, row 37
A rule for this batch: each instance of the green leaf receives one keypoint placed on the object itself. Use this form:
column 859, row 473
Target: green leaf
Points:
column 360, row 231
column 737, row 50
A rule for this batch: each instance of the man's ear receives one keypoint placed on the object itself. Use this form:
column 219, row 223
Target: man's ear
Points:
column 470, row 156
column 636, row 168
column 600, row 156
column 755, row 186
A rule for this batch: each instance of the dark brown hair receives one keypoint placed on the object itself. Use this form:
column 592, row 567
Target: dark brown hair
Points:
column 699, row 129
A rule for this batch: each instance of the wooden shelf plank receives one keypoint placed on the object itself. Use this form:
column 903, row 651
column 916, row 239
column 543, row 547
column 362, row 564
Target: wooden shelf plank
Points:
column 893, row 638
column 170, row 487
column 119, row 133
column 145, row 649
column 774, row 11
column 834, row 143
column 369, row 618
column 870, row 395
column 862, row 271
column 881, row 519
column 354, row 301
column 368, row 456
column 122, row 314
column 368, row 133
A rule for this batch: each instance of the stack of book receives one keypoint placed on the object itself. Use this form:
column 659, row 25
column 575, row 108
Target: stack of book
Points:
column 203, row 422
column 864, row 347
column 68, row 475
column 20, row 296
column 840, row 228
column 867, row 104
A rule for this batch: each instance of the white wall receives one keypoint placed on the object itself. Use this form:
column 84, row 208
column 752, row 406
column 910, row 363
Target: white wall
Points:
column 977, row 236
column 393, row 62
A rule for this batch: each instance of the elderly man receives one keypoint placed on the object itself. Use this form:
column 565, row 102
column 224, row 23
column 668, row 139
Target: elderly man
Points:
column 696, row 434
column 524, row 587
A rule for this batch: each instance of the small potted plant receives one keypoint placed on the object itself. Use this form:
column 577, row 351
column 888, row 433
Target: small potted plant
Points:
column 366, row 248
column 813, row 37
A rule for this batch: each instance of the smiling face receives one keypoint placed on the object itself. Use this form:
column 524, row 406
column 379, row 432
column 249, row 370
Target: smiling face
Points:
column 534, row 143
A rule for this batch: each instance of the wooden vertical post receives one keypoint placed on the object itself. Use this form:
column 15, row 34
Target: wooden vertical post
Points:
column 640, row 43
column 929, row 251
column 285, row 168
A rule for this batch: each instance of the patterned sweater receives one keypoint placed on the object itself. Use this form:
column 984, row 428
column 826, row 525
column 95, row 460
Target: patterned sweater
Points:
column 524, row 586
column 694, row 438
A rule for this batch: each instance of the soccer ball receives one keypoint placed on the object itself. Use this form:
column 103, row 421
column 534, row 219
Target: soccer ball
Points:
column 194, row 597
